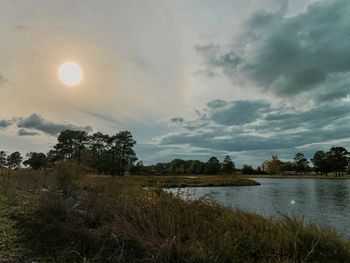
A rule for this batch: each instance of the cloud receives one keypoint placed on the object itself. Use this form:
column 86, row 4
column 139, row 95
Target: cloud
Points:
column 307, row 53
column 206, row 73
column 139, row 62
column 215, row 104
column 24, row 132
column 155, row 153
column 220, row 112
column 177, row 120
column 239, row 112
column 21, row 28
column 243, row 126
column 36, row 122
column 3, row 81
column 5, row 123
column 314, row 118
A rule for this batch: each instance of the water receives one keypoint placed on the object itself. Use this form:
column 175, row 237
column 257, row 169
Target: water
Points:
column 323, row 201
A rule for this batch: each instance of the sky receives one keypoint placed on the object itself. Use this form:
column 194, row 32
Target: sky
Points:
column 189, row 79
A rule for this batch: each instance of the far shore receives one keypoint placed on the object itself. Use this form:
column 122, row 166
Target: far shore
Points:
column 280, row 176
column 180, row 181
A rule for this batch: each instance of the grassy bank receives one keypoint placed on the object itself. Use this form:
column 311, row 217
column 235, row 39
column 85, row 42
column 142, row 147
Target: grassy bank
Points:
column 66, row 217
column 179, row 180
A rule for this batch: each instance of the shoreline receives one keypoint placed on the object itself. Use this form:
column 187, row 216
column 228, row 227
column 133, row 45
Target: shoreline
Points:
column 332, row 177
column 180, row 181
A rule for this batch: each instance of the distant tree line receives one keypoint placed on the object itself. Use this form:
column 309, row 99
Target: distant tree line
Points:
column 178, row 166
column 103, row 153
column 114, row 155
column 336, row 160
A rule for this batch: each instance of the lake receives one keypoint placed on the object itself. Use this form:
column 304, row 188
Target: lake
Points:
column 324, row 201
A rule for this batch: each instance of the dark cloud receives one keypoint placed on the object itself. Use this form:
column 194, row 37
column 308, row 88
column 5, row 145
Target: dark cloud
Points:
column 308, row 53
column 5, row 123
column 223, row 113
column 239, row 112
column 177, row 120
column 217, row 58
column 24, row 132
column 36, row 122
column 215, row 104
column 236, row 130
column 155, row 153
column 313, row 118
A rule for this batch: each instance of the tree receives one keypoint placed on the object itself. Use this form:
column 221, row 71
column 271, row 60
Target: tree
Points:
column 288, row 167
column 36, row 160
column 14, row 160
column 71, row 144
column 3, row 159
column 197, row 167
column 259, row 170
column 273, row 166
column 177, row 166
column 301, row 163
column 321, row 162
column 159, row 168
column 123, row 154
column 98, row 145
column 52, row 157
column 228, row 165
column 339, row 159
column 213, row 166
column 138, row 168
column 247, row 169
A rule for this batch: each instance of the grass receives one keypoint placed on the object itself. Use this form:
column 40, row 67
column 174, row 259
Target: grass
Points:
column 64, row 217
column 8, row 233
column 181, row 180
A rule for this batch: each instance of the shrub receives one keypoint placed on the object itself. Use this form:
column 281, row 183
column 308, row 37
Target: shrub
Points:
column 115, row 220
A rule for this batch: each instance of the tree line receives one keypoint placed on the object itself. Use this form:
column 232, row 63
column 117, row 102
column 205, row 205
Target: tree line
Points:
column 114, row 155
column 335, row 160
column 178, row 166
column 102, row 153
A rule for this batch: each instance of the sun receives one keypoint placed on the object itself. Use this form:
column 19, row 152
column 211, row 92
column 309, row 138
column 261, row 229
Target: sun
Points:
column 70, row 73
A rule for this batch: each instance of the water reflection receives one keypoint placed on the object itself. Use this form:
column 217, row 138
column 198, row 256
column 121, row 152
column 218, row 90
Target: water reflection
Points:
column 324, row 201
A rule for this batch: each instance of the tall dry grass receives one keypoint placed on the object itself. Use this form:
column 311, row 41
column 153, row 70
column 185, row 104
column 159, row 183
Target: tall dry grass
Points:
column 121, row 222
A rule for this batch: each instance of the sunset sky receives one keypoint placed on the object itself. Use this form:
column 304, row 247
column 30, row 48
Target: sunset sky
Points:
column 189, row 78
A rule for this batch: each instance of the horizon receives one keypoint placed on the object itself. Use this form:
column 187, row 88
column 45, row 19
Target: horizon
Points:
column 189, row 80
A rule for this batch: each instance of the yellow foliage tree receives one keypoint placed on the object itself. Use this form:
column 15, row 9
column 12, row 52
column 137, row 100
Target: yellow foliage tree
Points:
column 273, row 166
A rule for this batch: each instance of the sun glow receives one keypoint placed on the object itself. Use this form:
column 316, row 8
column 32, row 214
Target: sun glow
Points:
column 70, row 73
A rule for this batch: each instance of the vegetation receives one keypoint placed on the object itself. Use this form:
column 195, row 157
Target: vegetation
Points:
column 56, row 212
column 336, row 160
column 228, row 166
column 247, row 169
column 102, row 153
column 14, row 160
column 183, row 167
column 36, row 160
column 114, row 155
column 64, row 216
column 170, row 181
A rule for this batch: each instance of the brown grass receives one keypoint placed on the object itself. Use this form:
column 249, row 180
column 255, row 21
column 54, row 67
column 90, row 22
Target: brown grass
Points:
column 115, row 220
column 178, row 180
